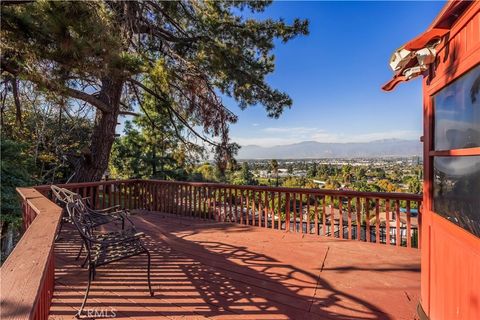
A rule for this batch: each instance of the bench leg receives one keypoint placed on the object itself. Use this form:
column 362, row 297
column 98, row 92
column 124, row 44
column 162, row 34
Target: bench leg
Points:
column 90, row 278
column 148, row 275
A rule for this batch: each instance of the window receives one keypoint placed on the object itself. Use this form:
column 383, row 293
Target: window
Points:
column 456, row 176
column 456, row 190
column 457, row 113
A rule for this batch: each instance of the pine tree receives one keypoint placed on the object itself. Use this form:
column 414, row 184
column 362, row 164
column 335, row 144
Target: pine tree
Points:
column 101, row 52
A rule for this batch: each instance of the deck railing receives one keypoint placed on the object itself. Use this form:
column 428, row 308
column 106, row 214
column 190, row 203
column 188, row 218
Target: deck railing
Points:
column 388, row 218
column 28, row 273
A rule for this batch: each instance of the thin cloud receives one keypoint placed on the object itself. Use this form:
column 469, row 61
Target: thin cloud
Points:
column 274, row 136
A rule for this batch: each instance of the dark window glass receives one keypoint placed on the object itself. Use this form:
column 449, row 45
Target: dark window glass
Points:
column 457, row 113
column 456, row 190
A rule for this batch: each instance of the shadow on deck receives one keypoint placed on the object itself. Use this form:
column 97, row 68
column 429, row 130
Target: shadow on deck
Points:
column 228, row 271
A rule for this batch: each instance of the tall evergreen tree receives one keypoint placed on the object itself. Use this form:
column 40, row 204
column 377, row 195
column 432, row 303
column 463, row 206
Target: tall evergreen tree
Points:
column 101, row 52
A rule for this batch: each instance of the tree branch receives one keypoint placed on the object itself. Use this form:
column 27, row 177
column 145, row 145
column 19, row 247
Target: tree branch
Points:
column 39, row 79
column 97, row 103
column 16, row 99
column 177, row 115
column 129, row 113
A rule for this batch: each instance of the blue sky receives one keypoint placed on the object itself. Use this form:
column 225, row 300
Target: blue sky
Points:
column 335, row 74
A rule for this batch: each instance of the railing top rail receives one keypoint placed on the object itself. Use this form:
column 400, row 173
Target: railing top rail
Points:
column 46, row 187
column 373, row 195
column 24, row 270
column 321, row 192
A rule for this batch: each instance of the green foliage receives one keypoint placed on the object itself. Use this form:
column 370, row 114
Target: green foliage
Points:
column 312, row 170
column 15, row 172
column 294, row 182
column 274, row 170
column 51, row 132
column 290, row 169
column 206, row 173
column 414, row 184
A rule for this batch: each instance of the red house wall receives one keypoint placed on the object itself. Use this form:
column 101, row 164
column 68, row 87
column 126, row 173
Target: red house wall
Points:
column 450, row 286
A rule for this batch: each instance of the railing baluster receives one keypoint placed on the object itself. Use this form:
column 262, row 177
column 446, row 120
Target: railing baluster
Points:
column 223, row 209
column 387, row 221
column 185, row 196
column 359, row 219
column 271, row 210
column 254, row 208
column 201, row 202
column 96, row 197
column 129, row 197
column 295, row 212
column 162, row 197
column 265, row 209
column 84, row 192
column 340, row 217
column 111, row 195
column 367, row 219
column 332, row 216
column 397, row 224
column 409, row 236
column 189, row 200
column 324, row 215
column 419, row 227
column 195, row 196
column 258, row 208
column 211, row 203
column 206, row 203
column 308, row 214
column 241, row 199
column 236, row 205
column 230, row 207
column 349, row 217
column 287, row 211
column 301, row 212
column 119, row 194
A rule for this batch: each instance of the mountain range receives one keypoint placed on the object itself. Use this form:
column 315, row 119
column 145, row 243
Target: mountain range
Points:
column 313, row 149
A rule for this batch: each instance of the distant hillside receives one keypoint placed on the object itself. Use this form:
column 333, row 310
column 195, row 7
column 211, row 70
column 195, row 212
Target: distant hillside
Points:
column 312, row 149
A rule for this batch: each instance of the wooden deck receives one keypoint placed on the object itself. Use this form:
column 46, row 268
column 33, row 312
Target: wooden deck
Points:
column 227, row 271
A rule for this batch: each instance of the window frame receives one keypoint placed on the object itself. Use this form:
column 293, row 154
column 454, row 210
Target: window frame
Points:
column 431, row 152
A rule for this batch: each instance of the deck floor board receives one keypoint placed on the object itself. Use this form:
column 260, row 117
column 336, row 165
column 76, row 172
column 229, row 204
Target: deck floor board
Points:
column 202, row 269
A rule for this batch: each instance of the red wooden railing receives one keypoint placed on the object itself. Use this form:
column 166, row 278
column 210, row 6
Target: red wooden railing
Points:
column 364, row 216
column 28, row 274
column 391, row 218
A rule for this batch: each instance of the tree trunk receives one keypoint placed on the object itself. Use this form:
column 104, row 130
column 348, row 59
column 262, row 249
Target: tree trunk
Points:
column 94, row 162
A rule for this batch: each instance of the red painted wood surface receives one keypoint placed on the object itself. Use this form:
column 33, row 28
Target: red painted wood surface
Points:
column 207, row 270
column 28, row 273
column 450, row 255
